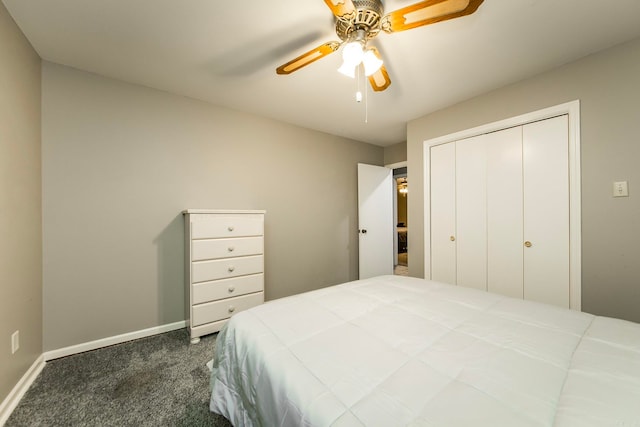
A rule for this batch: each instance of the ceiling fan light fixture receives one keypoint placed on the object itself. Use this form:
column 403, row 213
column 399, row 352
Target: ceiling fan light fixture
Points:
column 360, row 21
column 352, row 55
column 348, row 70
column 371, row 62
column 353, row 52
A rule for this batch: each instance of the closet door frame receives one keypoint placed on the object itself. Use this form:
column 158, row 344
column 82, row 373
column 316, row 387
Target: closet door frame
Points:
column 572, row 110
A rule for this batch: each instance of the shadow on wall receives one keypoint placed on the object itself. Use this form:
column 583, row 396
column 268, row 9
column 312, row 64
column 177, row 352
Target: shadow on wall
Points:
column 170, row 273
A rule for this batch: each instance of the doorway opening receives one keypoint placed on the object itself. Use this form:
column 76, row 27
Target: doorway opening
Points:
column 400, row 198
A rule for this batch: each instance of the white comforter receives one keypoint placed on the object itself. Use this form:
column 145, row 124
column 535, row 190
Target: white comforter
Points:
column 394, row 351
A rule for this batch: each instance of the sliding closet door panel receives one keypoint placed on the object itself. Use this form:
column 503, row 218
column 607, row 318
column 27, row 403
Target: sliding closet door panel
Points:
column 471, row 212
column 546, row 207
column 504, row 212
column 443, row 212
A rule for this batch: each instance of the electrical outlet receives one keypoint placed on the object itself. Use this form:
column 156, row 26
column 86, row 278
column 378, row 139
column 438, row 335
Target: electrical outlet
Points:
column 621, row 189
column 15, row 341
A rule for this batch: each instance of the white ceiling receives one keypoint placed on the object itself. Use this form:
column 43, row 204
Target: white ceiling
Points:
column 226, row 52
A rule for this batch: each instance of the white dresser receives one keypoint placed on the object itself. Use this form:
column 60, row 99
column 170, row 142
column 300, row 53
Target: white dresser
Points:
column 224, row 266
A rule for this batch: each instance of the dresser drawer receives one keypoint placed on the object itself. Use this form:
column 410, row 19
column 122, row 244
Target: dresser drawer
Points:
column 220, row 226
column 203, row 271
column 226, row 288
column 226, row 248
column 219, row 310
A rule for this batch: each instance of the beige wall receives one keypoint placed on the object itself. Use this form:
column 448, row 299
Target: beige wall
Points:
column 395, row 153
column 20, row 204
column 608, row 88
column 120, row 163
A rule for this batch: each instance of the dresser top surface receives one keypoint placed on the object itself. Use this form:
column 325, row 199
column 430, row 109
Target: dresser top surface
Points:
column 222, row 211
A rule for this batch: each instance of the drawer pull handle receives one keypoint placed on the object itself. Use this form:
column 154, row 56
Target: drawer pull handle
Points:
column 231, row 268
column 231, row 289
column 231, row 249
column 230, row 228
column 231, row 309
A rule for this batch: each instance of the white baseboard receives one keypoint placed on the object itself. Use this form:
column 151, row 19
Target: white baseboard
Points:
column 118, row 339
column 11, row 401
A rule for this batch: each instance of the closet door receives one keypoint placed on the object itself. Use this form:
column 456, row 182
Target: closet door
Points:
column 546, row 211
column 471, row 212
column 443, row 212
column 505, row 212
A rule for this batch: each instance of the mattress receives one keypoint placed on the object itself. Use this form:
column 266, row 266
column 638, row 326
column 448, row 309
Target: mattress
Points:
column 396, row 351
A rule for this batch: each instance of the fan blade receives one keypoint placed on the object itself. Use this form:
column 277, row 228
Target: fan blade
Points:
column 308, row 57
column 427, row 12
column 380, row 79
column 341, row 8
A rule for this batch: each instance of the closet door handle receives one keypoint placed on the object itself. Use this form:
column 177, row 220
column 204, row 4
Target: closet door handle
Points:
column 452, row 238
column 528, row 244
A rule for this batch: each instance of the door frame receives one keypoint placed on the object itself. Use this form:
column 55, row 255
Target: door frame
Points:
column 572, row 110
column 394, row 166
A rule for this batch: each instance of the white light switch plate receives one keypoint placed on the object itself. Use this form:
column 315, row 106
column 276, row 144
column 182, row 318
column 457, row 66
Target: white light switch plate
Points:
column 620, row 189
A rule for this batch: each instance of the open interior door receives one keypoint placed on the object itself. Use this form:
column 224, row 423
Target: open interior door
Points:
column 375, row 220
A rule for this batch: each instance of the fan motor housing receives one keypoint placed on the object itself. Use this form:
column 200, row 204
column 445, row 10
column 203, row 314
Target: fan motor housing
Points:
column 366, row 17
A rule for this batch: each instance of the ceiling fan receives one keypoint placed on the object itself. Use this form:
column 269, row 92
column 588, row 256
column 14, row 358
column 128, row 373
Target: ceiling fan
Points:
column 359, row 21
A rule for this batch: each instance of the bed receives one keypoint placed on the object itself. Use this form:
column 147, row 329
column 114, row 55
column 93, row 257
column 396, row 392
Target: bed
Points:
column 396, row 351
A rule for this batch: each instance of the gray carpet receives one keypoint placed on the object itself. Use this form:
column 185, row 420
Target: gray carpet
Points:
column 155, row 381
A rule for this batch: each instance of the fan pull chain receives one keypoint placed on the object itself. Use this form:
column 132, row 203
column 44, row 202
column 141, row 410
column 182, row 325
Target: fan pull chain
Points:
column 358, row 93
column 366, row 102
column 360, row 70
